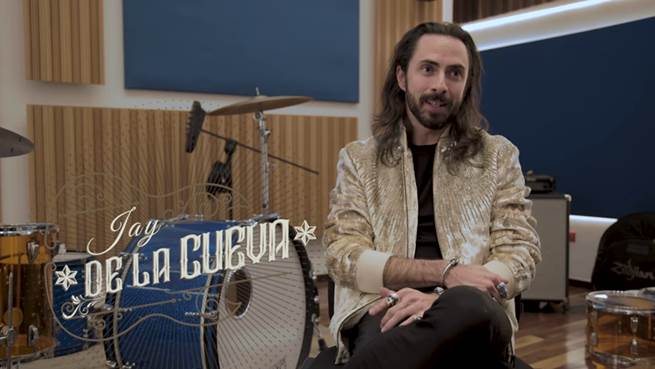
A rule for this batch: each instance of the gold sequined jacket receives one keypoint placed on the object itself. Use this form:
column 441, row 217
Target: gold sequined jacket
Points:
column 481, row 212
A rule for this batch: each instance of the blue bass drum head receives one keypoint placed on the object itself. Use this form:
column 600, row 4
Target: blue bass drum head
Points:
column 258, row 316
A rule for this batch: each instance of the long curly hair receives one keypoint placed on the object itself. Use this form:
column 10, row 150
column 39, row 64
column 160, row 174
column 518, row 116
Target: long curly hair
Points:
column 468, row 121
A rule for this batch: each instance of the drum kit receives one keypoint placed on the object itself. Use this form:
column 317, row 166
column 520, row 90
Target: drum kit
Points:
column 261, row 315
column 621, row 328
column 256, row 105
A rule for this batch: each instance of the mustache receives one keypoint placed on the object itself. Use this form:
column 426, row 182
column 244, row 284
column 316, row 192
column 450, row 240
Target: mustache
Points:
column 442, row 98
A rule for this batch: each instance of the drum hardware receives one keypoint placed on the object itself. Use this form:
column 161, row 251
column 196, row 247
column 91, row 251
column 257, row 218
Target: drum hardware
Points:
column 25, row 253
column 183, row 218
column 32, row 251
column 285, row 161
column 619, row 328
column 32, row 335
column 8, row 334
column 220, row 177
column 213, row 315
column 58, row 247
column 648, row 291
column 256, row 105
column 316, row 317
column 270, row 217
column 128, row 255
column 263, row 137
column 113, row 365
column 13, row 144
column 259, row 103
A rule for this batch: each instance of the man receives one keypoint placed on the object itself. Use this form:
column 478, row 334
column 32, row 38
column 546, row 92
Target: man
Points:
column 431, row 200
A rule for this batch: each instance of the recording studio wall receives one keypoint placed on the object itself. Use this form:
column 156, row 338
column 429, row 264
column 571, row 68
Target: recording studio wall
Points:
column 392, row 19
column 90, row 164
column 580, row 108
column 64, row 41
column 292, row 47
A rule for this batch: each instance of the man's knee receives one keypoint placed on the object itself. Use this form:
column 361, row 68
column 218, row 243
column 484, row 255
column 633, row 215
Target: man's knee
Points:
column 469, row 302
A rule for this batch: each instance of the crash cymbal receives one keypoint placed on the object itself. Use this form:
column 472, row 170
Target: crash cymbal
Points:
column 260, row 103
column 13, row 144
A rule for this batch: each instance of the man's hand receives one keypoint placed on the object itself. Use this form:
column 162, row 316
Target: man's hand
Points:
column 475, row 276
column 411, row 304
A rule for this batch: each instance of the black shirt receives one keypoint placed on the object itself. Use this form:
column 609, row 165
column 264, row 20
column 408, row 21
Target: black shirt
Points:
column 427, row 245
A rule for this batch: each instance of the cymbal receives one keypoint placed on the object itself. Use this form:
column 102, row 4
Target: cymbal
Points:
column 260, row 103
column 13, row 144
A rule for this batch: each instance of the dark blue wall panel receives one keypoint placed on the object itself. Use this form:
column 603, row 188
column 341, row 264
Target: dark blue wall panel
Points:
column 290, row 47
column 582, row 108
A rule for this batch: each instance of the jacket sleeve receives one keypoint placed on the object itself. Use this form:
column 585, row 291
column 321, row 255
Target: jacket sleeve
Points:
column 351, row 257
column 514, row 249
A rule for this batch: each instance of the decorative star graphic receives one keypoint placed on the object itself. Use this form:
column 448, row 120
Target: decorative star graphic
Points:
column 66, row 278
column 305, row 233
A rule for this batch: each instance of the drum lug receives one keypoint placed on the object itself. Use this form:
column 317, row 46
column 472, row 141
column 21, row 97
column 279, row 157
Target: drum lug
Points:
column 32, row 251
column 127, row 255
column 648, row 291
column 212, row 315
column 58, row 247
column 8, row 336
column 32, row 335
column 114, row 365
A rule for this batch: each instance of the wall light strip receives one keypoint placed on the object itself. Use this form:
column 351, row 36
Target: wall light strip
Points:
column 592, row 220
column 521, row 17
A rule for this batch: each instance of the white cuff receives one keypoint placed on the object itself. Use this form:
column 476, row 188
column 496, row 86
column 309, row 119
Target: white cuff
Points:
column 370, row 270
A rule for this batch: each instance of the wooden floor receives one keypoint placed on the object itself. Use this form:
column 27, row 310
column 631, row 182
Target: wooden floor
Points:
column 553, row 338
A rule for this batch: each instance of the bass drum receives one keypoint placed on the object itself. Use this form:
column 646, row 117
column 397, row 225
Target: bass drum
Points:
column 258, row 316
column 66, row 343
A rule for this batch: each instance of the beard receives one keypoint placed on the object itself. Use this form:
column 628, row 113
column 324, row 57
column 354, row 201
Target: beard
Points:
column 432, row 120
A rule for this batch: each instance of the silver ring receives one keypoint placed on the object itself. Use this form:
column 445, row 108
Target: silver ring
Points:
column 502, row 289
column 392, row 299
column 418, row 317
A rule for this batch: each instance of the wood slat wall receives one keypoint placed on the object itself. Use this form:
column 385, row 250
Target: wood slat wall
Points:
column 64, row 41
column 471, row 10
column 91, row 164
column 392, row 19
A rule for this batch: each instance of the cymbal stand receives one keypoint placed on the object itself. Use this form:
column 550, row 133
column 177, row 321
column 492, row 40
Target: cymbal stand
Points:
column 263, row 142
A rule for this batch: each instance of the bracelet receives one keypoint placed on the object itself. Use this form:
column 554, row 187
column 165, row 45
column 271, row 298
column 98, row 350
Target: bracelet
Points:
column 451, row 264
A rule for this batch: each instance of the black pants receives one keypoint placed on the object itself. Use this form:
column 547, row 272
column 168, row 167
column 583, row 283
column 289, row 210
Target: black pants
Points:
column 463, row 328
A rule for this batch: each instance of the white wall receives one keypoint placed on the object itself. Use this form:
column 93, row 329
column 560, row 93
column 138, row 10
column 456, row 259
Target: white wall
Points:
column 16, row 93
column 582, row 253
column 584, row 15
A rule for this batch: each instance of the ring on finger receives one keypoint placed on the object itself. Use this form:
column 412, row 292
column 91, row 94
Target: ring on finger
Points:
column 502, row 289
column 392, row 299
column 418, row 317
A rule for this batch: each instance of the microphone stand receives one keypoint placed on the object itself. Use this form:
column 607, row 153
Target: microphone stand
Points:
column 216, row 135
column 220, row 177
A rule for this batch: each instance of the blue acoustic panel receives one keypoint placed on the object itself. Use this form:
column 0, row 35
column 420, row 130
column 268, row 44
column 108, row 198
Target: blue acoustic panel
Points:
column 290, row 47
column 580, row 107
